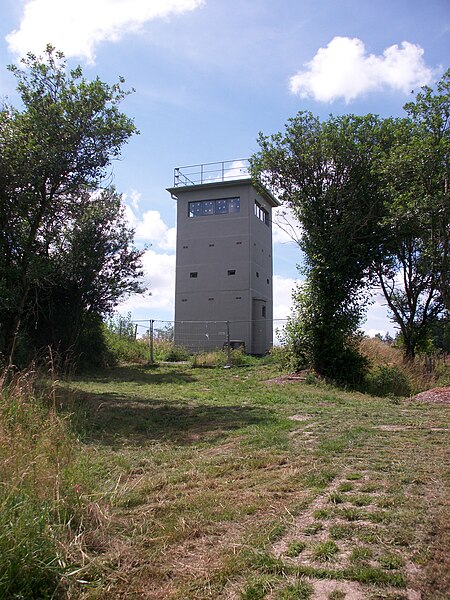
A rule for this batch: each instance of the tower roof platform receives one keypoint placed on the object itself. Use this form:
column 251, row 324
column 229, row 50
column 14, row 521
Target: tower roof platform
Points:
column 217, row 174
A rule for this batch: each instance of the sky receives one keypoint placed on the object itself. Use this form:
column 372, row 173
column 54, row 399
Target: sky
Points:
column 209, row 75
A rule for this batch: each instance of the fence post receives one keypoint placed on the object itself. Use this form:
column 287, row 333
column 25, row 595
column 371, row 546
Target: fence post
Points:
column 150, row 339
column 228, row 344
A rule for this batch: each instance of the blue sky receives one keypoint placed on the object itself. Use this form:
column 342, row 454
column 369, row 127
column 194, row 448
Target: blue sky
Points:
column 210, row 74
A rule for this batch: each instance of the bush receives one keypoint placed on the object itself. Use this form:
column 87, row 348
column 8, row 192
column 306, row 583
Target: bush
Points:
column 326, row 343
column 122, row 346
column 166, row 351
column 219, row 358
column 386, row 380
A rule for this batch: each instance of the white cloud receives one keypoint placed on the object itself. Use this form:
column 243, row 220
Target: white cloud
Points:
column 286, row 228
column 159, row 276
column 149, row 227
column 282, row 296
column 344, row 69
column 77, row 26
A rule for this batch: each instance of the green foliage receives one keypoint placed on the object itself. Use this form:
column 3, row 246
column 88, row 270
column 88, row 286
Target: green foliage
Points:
column 372, row 199
column 385, row 380
column 413, row 268
column 220, row 358
column 301, row 590
column 167, row 351
column 322, row 171
column 440, row 334
column 39, row 507
column 325, row 551
column 122, row 348
column 28, row 549
column 64, row 251
column 295, row 548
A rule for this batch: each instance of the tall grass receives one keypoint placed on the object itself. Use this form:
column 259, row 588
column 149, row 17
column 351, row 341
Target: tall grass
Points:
column 389, row 375
column 41, row 502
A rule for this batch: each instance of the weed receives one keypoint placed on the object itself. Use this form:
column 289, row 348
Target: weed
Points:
column 385, row 502
column 325, row 551
column 313, row 528
column 335, row 498
column 276, row 532
column 366, row 535
column 372, row 575
column 41, row 505
column 390, row 561
column 345, row 486
column 258, row 588
column 363, row 500
column 341, row 532
column 351, row 514
column 386, row 380
column 322, row 513
column 295, row 548
column 319, row 479
column 301, row 590
column 361, row 554
column 368, row 488
column 378, row 516
column 354, row 476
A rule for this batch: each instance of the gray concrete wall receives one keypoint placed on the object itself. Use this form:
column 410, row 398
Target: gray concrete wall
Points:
column 224, row 264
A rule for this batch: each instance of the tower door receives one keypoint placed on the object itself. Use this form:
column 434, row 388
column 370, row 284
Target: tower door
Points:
column 259, row 326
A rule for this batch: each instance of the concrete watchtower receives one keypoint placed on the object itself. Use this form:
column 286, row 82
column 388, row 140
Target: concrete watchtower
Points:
column 223, row 255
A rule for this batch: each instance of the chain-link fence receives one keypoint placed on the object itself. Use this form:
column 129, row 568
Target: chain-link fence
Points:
column 201, row 336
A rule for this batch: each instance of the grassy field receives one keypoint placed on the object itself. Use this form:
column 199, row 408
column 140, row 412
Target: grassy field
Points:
column 198, row 483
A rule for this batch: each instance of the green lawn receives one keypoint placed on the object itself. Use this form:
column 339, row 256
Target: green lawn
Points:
column 215, row 483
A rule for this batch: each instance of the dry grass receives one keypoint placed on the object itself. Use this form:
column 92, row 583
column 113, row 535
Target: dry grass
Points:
column 381, row 354
column 211, row 483
column 46, row 510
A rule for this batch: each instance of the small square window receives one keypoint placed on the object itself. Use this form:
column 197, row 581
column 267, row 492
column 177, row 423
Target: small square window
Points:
column 210, row 299
column 195, row 209
column 231, row 272
column 208, row 207
column 193, row 274
column 234, row 205
column 221, row 207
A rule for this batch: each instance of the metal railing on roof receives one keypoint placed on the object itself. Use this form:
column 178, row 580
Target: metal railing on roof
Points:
column 227, row 170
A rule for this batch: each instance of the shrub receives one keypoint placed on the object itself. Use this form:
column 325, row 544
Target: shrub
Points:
column 219, row 358
column 386, row 380
column 168, row 352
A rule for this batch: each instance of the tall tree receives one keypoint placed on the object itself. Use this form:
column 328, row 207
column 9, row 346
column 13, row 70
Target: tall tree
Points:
column 323, row 172
column 413, row 268
column 83, row 276
column 59, row 145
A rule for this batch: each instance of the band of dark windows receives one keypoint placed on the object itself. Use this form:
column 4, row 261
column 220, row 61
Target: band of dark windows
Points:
column 221, row 206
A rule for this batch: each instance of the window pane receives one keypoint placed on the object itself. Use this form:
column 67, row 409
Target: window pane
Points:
column 234, row 205
column 195, row 209
column 208, row 207
column 221, row 207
